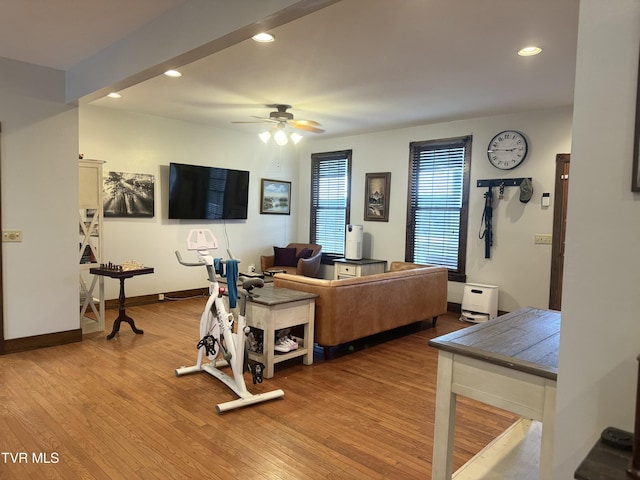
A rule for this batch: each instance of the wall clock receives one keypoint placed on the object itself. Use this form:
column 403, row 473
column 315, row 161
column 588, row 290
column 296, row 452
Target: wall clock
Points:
column 507, row 150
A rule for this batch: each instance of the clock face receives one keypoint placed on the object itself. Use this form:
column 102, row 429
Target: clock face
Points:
column 507, row 150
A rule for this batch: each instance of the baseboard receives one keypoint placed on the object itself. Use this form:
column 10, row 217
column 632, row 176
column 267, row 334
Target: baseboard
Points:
column 15, row 345
column 153, row 298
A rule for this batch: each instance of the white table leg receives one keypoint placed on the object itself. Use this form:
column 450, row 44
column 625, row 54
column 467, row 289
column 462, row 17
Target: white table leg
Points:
column 268, row 346
column 546, row 442
column 445, row 419
column 308, row 334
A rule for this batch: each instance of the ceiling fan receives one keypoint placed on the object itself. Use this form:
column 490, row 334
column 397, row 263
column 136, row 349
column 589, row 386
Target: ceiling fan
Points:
column 282, row 118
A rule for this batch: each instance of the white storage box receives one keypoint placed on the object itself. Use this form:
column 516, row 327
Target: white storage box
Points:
column 479, row 302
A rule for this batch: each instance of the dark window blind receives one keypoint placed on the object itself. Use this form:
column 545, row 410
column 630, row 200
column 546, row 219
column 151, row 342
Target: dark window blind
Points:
column 437, row 212
column 330, row 192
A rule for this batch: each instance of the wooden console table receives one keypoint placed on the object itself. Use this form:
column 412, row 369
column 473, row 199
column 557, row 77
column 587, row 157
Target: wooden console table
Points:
column 274, row 308
column 509, row 362
column 122, row 275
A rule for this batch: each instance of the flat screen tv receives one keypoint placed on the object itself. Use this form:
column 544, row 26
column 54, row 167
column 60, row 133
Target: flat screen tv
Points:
column 207, row 193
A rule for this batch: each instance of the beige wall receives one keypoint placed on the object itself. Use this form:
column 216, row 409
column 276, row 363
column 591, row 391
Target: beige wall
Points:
column 40, row 197
column 520, row 268
column 600, row 337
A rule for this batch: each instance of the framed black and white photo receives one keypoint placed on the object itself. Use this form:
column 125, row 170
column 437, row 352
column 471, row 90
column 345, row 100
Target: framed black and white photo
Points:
column 128, row 195
column 376, row 196
column 275, row 197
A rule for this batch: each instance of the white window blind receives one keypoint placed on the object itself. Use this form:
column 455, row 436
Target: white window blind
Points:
column 437, row 213
column 330, row 191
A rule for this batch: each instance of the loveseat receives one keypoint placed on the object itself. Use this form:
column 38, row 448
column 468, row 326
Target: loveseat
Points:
column 296, row 258
column 352, row 308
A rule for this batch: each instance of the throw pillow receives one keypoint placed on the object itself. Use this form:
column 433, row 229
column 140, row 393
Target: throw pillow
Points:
column 284, row 257
column 304, row 253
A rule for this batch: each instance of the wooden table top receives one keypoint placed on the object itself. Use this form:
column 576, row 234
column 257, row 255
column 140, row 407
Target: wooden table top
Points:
column 270, row 295
column 526, row 340
column 108, row 272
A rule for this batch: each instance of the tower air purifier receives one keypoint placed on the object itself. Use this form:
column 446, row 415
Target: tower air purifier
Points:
column 353, row 242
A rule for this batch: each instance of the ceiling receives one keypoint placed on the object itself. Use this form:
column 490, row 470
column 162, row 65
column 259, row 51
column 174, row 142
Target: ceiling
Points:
column 355, row 66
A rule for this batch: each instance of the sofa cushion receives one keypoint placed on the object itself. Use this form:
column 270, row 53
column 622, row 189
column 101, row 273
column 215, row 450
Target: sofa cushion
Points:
column 284, row 257
column 304, row 253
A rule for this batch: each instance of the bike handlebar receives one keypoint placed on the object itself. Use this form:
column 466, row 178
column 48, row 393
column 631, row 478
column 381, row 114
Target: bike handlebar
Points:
column 188, row 264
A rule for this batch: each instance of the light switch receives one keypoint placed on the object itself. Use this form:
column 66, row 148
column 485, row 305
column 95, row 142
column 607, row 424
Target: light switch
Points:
column 546, row 199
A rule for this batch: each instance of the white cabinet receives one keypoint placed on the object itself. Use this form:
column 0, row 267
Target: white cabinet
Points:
column 344, row 268
column 90, row 245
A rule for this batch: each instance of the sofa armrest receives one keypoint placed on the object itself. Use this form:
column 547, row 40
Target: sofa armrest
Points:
column 309, row 267
column 266, row 262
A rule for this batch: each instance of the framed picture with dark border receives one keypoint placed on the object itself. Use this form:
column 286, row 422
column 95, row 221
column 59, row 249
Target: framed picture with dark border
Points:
column 275, row 197
column 376, row 196
column 635, row 184
column 128, row 195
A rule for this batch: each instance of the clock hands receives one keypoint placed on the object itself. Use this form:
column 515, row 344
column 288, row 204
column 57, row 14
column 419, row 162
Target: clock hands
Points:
column 502, row 150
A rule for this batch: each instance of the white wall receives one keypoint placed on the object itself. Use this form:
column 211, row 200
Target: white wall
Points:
column 40, row 197
column 520, row 268
column 137, row 143
column 600, row 337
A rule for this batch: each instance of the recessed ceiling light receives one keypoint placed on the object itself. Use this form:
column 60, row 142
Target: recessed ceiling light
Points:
column 263, row 37
column 114, row 95
column 529, row 51
column 173, row 73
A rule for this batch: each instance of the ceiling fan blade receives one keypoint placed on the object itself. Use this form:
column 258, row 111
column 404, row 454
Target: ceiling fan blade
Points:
column 312, row 123
column 307, row 128
column 259, row 120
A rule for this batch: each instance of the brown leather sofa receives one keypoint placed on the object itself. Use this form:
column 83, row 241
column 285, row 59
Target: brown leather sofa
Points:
column 304, row 266
column 353, row 308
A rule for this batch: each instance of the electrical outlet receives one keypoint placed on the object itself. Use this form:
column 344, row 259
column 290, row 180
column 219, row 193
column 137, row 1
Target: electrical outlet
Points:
column 543, row 239
column 11, row 235
column 161, row 296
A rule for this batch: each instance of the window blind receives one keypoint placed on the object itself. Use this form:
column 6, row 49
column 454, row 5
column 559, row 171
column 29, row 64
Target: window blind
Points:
column 330, row 189
column 436, row 201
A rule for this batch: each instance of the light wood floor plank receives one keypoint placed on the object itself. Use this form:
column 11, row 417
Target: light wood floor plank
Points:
column 115, row 409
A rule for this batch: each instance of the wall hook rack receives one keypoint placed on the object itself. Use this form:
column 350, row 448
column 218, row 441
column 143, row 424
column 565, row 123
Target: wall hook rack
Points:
column 496, row 182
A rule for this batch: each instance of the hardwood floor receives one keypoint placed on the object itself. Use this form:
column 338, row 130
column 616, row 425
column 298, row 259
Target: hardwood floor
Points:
column 115, row 409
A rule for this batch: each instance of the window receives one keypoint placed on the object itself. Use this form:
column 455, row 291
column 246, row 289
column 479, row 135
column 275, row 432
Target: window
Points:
column 330, row 200
column 438, row 204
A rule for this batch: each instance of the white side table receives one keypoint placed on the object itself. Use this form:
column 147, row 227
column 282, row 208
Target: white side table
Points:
column 274, row 308
column 344, row 268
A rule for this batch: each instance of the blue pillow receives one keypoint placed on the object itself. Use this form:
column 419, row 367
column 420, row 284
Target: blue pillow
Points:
column 284, row 257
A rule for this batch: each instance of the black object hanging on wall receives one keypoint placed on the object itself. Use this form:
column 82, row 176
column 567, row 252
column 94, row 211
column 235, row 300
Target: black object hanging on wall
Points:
column 487, row 213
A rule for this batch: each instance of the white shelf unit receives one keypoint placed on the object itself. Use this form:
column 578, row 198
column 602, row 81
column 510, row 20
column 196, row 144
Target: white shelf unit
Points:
column 90, row 213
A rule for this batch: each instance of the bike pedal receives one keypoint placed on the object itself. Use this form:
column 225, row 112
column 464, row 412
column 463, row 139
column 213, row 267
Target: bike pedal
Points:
column 256, row 372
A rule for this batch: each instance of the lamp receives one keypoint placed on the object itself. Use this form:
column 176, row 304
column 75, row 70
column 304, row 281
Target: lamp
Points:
column 265, row 136
column 280, row 136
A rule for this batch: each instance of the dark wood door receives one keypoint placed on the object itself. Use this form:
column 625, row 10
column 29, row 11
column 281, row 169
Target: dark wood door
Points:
column 559, row 227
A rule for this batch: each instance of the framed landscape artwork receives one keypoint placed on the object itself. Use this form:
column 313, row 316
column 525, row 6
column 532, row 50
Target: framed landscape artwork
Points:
column 275, row 197
column 376, row 201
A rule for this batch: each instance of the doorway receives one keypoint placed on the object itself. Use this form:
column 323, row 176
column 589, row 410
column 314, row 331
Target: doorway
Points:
column 559, row 228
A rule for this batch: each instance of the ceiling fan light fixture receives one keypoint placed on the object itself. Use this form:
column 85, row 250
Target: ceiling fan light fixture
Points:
column 265, row 136
column 280, row 138
column 295, row 137
column 529, row 51
column 263, row 37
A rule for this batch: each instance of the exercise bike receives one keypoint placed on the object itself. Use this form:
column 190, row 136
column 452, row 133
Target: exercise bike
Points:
column 217, row 338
